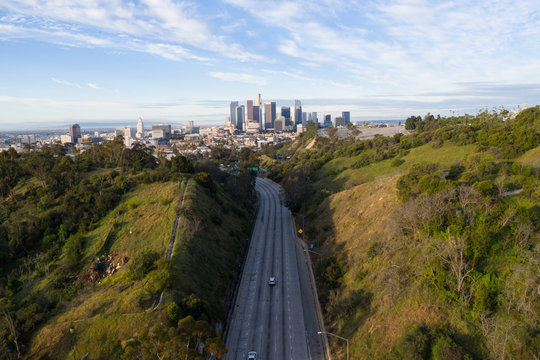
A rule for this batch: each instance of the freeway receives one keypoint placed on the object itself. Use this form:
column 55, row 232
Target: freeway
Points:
column 279, row 321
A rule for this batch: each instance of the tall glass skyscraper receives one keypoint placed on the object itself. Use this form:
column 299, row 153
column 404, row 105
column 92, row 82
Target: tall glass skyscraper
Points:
column 297, row 112
column 286, row 113
column 232, row 108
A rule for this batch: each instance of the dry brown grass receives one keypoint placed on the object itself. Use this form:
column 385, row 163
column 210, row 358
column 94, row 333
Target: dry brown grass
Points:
column 362, row 216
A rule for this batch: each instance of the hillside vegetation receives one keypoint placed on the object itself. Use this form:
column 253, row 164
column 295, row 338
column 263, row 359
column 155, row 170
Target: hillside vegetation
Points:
column 430, row 242
column 84, row 243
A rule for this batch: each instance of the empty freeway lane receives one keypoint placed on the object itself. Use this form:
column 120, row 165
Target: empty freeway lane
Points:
column 276, row 319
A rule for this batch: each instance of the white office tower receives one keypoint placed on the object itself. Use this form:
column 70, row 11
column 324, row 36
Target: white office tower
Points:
column 314, row 117
column 258, row 102
column 232, row 110
column 140, row 128
column 279, row 124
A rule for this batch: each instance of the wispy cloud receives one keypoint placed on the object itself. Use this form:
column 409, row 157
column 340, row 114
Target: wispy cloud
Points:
column 148, row 25
column 238, row 77
column 93, row 86
column 62, row 82
column 403, row 45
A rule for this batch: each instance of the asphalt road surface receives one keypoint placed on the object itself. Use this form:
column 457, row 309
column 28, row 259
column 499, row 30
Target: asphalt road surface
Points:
column 280, row 321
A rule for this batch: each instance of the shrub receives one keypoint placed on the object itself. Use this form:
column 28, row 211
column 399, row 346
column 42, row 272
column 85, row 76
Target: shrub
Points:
column 397, row 162
column 486, row 187
column 205, row 180
column 414, row 344
column 374, row 250
column 142, row 264
column 174, row 313
column 446, row 349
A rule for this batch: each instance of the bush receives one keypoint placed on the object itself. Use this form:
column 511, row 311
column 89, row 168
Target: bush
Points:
column 413, row 345
column 446, row 349
column 205, row 180
column 486, row 187
column 407, row 184
column 72, row 252
column 142, row 264
column 397, row 162
column 174, row 313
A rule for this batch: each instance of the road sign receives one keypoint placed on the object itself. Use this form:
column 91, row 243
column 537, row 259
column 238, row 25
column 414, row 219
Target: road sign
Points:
column 300, row 231
column 311, row 246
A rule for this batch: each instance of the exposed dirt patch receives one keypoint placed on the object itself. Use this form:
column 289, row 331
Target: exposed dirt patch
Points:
column 102, row 267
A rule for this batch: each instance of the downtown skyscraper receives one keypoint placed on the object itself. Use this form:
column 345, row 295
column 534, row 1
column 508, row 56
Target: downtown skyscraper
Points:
column 232, row 111
column 269, row 114
column 297, row 115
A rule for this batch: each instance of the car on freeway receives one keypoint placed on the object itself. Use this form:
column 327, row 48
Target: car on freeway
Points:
column 272, row 281
column 252, row 355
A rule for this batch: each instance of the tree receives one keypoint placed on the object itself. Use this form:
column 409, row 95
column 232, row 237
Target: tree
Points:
column 452, row 252
column 10, row 323
column 215, row 347
column 10, row 171
column 412, row 122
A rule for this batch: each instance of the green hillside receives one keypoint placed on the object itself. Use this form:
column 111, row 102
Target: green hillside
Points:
column 86, row 266
column 110, row 314
column 426, row 254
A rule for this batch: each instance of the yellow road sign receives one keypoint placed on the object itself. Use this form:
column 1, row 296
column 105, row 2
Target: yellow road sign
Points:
column 300, row 231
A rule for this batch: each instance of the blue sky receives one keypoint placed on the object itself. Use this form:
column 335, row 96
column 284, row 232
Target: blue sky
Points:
column 64, row 61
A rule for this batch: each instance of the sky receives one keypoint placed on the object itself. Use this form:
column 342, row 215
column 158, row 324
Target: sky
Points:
column 111, row 61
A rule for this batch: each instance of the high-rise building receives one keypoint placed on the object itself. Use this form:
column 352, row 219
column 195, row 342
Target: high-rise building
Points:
column 314, row 117
column 125, row 131
column 26, row 139
column 279, row 124
column 269, row 114
column 304, row 118
column 347, row 116
column 339, row 121
column 327, row 120
column 191, row 128
column 297, row 112
column 165, row 128
column 250, row 110
column 256, row 114
column 240, row 117
column 140, row 128
column 232, row 108
column 286, row 113
column 75, row 131
column 258, row 102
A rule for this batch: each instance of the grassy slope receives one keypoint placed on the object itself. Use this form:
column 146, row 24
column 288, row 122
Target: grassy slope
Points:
column 210, row 245
column 352, row 220
column 347, row 177
column 531, row 158
column 104, row 317
column 113, row 308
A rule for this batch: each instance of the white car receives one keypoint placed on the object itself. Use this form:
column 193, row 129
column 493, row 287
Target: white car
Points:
column 272, row 281
column 252, row 355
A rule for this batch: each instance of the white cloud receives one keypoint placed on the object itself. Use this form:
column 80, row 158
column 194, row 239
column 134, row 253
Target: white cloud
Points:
column 153, row 23
column 238, row 77
column 402, row 46
column 93, row 86
column 62, row 82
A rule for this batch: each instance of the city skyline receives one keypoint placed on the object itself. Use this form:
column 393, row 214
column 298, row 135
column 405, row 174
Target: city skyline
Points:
column 173, row 62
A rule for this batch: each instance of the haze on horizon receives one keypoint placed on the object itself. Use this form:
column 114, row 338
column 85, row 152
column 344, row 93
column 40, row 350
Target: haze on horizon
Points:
column 171, row 61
